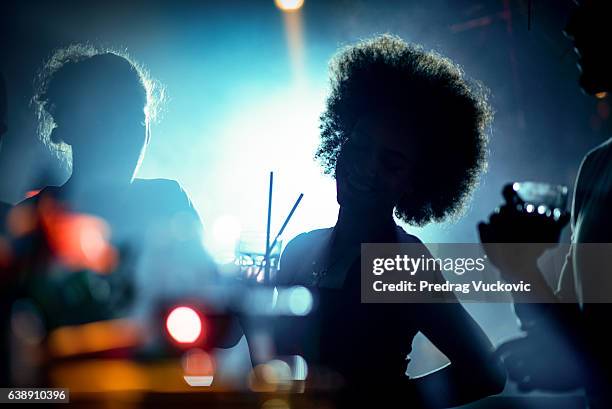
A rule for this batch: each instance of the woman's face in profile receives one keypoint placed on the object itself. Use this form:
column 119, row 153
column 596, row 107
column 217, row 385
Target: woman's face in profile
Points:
column 108, row 138
column 375, row 165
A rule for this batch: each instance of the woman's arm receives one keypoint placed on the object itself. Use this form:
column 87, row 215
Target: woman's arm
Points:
column 474, row 371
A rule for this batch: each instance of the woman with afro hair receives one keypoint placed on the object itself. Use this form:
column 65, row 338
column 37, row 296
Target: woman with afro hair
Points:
column 403, row 133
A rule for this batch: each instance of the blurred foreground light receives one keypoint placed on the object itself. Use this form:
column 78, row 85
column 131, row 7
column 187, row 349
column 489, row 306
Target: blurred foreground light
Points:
column 275, row 404
column 277, row 371
column 260, row 301
column 601, row 95
column 130, row 378
column 94, row 337
column 80, row 241
column 299, row 368
column 300, row 300
column 270, row 377
column 292, row 301
column 280, row 374
column 198, row 380
column 184, row 325
column 289, row 5
column 199, row 368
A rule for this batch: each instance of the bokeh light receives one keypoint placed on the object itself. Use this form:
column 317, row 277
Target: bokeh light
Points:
column 78, row 240
column 184, row 325
column 199, row 367
column 197, row 362
column 300, row 300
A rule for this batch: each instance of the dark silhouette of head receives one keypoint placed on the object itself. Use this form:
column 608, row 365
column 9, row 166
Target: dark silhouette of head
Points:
column 403, row 129
column 99, row 103
column 591, row 30
column 3, row 108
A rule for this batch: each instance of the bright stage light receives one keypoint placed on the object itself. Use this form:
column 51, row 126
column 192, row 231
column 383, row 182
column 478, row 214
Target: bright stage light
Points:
column 184, row 325
column 289, row 5
column 226, row 230
column 222, row 242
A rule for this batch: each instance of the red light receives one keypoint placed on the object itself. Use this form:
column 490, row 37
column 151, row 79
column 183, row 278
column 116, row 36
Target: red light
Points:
column 31, row 193
column 197, row 362
column 184, row 325
column 79, row 241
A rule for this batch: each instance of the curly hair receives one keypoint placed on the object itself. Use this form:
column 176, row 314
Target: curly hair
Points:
column 386, row 75
column 154, row 92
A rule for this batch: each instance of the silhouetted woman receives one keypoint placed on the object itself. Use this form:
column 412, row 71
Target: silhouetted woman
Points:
column 402, row 134
column 98, row 106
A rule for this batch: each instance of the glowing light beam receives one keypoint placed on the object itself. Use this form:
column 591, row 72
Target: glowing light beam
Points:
column 289, row 5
